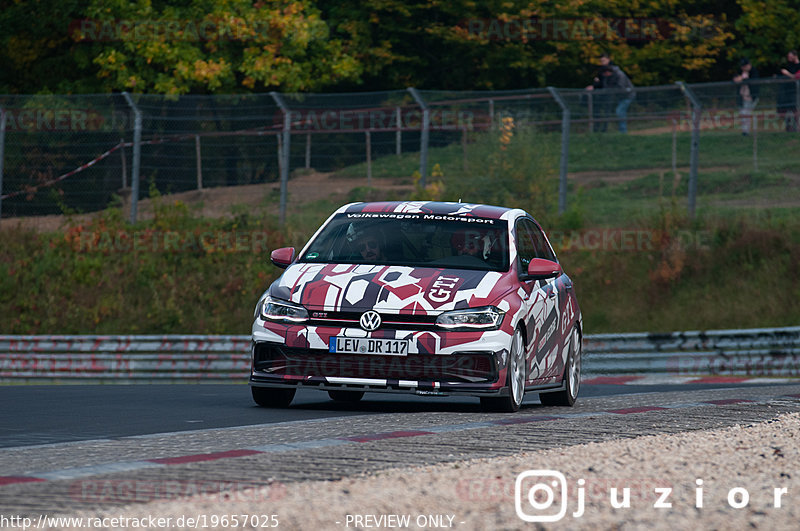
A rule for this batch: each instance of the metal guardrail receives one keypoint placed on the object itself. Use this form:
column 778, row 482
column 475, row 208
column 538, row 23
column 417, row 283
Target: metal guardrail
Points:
column 124, row 359
column 750, row 352
column 767, row 352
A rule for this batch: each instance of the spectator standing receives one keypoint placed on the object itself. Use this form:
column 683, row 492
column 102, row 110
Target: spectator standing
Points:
column 620, row 89
column 601, row 102
column 787, row 92
column 747, row 94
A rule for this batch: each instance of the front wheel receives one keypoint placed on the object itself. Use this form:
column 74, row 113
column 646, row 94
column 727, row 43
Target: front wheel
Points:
column 267, row 397
column 572, row 376
column 515, row 381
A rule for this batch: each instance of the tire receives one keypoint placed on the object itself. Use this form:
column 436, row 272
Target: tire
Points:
column 572, row 376
column 515, row 380
column 346, row 396
column 267, row 397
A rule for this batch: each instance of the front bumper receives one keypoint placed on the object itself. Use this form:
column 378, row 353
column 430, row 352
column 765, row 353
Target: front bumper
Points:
column 439, row 362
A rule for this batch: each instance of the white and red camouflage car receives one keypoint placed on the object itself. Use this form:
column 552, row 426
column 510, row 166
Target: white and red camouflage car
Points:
column 420, row 297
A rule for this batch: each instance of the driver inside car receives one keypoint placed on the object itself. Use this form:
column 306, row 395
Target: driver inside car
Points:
column 470, row 243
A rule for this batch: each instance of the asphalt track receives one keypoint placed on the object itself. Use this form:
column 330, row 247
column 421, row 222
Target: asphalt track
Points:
column 74, row 448
column 42, row 414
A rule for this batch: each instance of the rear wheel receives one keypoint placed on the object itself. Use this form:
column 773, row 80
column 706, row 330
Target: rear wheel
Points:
column 346, row 396
column 572, row 376
column 515, row 380
column 266, row 397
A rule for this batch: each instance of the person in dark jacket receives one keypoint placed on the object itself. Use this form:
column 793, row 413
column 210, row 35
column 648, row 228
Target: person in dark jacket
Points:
column 618, row 89
column 746, row 93
column 787, row 92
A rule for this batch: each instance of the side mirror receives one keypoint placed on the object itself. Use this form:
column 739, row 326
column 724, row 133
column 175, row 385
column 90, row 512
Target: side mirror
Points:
column 282, row 257
column 539, row 269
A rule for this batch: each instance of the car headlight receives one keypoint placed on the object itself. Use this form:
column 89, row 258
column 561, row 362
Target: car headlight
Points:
column 485, row 318
column 282, row 311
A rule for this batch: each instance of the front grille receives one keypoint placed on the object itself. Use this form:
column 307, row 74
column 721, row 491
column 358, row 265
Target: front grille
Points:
column 278, row 360
column 388, row 320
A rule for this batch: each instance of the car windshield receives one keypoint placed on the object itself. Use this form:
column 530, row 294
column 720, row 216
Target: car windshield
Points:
column 418, row 240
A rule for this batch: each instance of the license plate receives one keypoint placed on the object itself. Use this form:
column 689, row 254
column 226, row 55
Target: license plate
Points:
column 365, row 345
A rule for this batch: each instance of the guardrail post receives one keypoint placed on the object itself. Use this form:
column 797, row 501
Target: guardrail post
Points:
column 284, row 152
column 697, row 108
column 565, row 119
column 137, row 155
column 2, row 155
column 423, row 142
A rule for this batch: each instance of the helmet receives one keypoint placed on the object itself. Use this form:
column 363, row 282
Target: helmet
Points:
column 470, row 242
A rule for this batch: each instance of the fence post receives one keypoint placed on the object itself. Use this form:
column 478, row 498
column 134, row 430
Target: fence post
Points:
column 693, row 158
column 137, row 155
column 308, row 151
column 2, row 155
column 124, row 163
column 199, row 162
column 284, row 152
column 590, row 109
column 796, row 105
column 464, row 148
column 754, row 128
column 369, row 158
column 423, row 142
column 398, row 136
column 491, row 115
column 674, row 153
column 565, row 119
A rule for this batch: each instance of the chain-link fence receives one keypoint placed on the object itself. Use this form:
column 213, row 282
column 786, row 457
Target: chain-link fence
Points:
column 81, row 153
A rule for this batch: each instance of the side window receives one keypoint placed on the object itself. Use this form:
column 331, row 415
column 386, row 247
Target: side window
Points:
column 526, row 249
column 543, row 249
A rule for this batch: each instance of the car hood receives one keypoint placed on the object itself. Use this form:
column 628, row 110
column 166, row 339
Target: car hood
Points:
column 393, row 289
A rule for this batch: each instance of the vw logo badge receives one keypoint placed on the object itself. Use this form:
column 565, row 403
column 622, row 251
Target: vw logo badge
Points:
column 370, row 320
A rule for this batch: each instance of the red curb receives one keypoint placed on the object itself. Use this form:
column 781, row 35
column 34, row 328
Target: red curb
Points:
column 524, row 420
column 10, row 480
column 719, row 379
column 637, row 410
column 611, row 380
column 388, row 435
column 726, row 401
column 203, row 457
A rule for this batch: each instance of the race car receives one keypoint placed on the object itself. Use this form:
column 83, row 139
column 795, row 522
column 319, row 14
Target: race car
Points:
column 428, row 298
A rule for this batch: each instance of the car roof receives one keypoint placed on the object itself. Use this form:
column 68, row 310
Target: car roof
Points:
column 435, row 208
